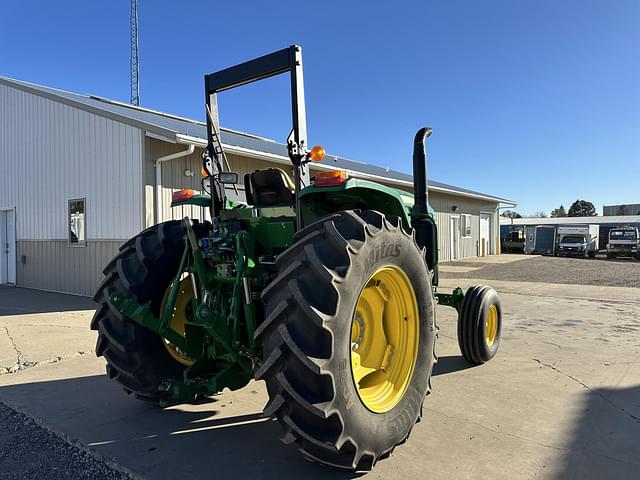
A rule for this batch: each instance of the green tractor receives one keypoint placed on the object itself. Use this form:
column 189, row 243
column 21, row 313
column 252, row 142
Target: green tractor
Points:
column 327, row 293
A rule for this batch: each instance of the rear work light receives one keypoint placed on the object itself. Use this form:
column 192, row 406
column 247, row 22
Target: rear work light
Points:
column 182, row 195
column 327, row 179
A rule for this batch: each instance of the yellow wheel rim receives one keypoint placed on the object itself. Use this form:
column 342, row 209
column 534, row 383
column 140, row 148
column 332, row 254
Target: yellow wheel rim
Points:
column 384, row 339
column 491, row 326
column 178, row 319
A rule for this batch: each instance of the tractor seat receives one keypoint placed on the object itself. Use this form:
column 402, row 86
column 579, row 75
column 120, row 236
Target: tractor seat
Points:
column 269, row 188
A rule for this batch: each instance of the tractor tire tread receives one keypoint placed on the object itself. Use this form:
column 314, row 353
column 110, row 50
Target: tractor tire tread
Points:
column 141, row 270
column 470, row 338
column 301, row 388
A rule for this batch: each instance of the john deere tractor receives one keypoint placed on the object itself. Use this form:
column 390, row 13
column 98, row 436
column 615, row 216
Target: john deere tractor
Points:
column 327, row 292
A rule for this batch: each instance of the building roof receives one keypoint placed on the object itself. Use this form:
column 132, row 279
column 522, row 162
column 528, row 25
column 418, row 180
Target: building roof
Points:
column 625, row 208
column 175, row 129
column 597, row 220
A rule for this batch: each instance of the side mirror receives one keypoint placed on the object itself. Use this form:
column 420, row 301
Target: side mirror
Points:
column 228, row 178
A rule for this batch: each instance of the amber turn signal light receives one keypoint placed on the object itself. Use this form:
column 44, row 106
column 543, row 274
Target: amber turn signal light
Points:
column 182, row 195
column 316, row 154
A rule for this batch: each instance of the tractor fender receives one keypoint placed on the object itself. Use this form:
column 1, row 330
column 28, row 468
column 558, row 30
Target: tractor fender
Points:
column 356, row 194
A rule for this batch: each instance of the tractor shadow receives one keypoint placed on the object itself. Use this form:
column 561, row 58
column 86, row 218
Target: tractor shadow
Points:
column 23, row 301
column 209, row 440
column 604, row 438
column 450, row 364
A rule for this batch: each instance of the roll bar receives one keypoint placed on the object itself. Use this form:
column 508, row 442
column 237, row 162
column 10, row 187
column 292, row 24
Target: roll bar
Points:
column 287, row 60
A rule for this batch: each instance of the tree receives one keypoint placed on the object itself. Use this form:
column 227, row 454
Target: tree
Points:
column 539, row 214
column 510, row 214
column 558, row 212
column 582, row 208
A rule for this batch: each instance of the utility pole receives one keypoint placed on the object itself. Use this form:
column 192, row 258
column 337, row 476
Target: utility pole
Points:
column 133, row 61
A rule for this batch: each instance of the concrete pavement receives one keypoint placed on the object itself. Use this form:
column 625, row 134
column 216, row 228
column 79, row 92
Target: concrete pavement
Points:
column 560, row 400
column 37, row 327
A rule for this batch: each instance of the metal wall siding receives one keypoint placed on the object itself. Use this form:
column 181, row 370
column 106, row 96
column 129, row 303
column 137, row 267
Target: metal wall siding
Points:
column 469, row 247
column 51, row 152
column 443, row 204
column 52, row 265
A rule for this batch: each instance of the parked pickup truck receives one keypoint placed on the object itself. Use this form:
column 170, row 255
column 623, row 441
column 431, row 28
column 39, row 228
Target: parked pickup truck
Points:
column 624, row 242
column 578, row 240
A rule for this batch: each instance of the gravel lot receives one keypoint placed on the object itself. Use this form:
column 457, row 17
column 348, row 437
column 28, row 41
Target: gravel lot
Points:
column 579, row 271
column 28, row 451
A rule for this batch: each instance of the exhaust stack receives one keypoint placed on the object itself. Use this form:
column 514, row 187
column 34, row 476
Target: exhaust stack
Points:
column 421, row 196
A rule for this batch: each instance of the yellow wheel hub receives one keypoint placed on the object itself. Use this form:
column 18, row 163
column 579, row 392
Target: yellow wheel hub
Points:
column 491, row 325
column 178, row 319
column 384, row 339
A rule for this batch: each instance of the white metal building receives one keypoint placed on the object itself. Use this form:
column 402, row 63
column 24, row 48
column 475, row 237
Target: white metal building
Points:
column 81, row 174
column 605, row 223
column 595, row 220
column 629, row 209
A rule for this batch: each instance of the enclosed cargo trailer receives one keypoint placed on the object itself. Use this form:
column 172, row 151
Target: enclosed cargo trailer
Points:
column 540, row 239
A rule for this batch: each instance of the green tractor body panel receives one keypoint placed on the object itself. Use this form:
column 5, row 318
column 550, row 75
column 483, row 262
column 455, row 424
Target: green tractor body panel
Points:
column 355, row 194
column 271, row 229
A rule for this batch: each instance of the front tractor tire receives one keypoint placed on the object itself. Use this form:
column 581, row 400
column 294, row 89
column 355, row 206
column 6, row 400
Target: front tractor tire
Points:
column 480, row 324
column 137, row 358
column 348, row 339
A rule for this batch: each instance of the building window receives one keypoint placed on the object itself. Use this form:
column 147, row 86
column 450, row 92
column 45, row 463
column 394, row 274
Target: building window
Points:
column 77, row 223
column 466, row 225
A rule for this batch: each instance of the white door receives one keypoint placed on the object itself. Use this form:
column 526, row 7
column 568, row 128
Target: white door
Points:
column 455, row 237
column 7, row 246
column 485, row 234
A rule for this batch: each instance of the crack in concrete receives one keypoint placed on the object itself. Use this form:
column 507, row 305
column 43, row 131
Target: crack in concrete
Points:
column 533, row 442
column 587, row 299
column 50, row 325
column 440, row 334
column 21, row 363
column 587, row 387
column 508, row 434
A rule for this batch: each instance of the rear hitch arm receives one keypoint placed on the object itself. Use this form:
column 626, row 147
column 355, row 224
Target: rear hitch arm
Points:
column 143, row 315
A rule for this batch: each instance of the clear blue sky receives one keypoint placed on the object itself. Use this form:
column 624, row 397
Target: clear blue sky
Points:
column 537, row 101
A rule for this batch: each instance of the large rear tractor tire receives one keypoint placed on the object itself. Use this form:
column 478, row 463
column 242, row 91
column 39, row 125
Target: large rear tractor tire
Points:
column 348, row 339
column 480, row 324
column 137, row 358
